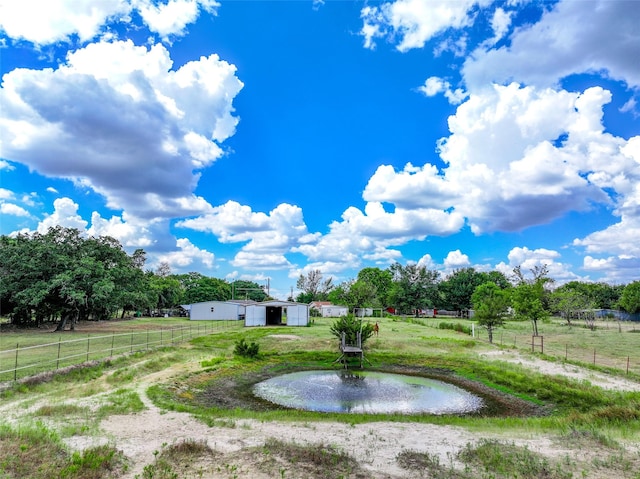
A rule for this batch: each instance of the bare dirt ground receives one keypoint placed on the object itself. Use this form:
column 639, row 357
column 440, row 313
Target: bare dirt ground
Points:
column 143, row 435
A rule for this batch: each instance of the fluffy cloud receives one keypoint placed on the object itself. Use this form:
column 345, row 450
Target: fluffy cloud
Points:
column 130, row 232
column 59, row 20
column 518, row 157
column 414, row 21
column 375, row 229
column 455, row 260
column 116, row 118
column 187, row 255
column 12, row 209
column 573, row 37
column 171, row 18
column 268, row 236
column 435, row 85
column 65, row 214
column 529, row 259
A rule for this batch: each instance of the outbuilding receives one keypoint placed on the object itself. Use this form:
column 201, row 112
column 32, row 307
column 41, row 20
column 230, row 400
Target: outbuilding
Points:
column 333, row 311
column 218, row 310
column 274, row 313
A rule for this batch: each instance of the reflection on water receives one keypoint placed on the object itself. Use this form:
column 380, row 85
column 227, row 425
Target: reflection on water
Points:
column 366, row 392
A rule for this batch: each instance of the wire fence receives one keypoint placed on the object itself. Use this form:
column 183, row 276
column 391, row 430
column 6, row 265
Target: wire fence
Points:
column 24, row 361
column 610, row 345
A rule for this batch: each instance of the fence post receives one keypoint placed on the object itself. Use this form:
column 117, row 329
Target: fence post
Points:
column 88, row 342
column 113, row 336
column 58, row 358
column 147, row 339
column 594, row 357
column 627, row 364
column 131, row 342
column 566, row 351
column 15, row 370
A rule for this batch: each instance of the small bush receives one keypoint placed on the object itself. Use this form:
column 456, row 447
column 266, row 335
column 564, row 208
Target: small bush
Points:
column 460, row 328
column 351, row 326
column 208, row 363
column 246, row 350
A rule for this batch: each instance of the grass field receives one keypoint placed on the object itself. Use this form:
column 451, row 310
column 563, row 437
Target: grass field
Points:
column 613, row 344
column 601, row 427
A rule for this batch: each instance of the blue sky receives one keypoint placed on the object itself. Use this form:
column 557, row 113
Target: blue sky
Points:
column 263, row 139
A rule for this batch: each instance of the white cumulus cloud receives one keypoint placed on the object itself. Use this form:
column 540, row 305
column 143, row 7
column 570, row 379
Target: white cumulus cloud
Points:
column 104, row 119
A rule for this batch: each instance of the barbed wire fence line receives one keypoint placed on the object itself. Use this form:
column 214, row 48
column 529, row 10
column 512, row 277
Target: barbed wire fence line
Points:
column 25, row 361
column 557, row 346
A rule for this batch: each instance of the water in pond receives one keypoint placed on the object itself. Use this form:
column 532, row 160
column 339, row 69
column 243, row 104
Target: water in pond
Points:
column 366, row 392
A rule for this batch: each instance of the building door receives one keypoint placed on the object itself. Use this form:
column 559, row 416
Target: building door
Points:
column 274, row 315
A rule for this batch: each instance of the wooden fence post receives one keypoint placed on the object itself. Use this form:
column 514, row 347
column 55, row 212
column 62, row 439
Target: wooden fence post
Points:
column 15, row 369
column 58, row 358
column 627, row 364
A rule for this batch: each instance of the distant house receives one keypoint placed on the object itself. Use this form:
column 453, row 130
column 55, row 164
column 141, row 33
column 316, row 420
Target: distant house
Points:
column 328, row 310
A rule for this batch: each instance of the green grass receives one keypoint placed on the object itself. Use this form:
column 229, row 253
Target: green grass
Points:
column 30, row 352
column 576, row 412
column 37, row 452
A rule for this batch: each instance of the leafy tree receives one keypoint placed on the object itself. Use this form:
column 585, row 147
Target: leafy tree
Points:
column 491, row 305
column 456, row 290
column 63, row 274
column 165, row 291
column 354, row 294
column 414, row 287
column 198, row 288
column 163, row 270
column 601, row 295
column 569, row 302
column 379, row 282
column 630, row 299
column 242, row 289
column 530, row 295
column 339, row 294
column 314, row 286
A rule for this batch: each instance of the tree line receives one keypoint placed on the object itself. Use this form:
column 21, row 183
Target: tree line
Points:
column 532, row 295
column 65, row 276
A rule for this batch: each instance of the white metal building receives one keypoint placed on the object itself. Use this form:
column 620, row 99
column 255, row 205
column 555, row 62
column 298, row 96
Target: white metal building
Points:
column 333, row 311
column 273, row 313
column 217, row 310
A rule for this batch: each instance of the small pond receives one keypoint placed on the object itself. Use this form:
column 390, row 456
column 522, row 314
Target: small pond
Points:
column 371, row 392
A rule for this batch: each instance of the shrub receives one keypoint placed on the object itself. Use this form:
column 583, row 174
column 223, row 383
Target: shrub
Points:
column 246, row 350
column 351, row 325
column 461, row 328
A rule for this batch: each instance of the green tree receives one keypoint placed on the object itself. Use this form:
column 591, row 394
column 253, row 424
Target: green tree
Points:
column 630, row 299
column 379, row 282
column 569, row 302
column 414, row 287
column 530, row 295
column 339, row 294
column 242, row 289
column 457, row 289
column 198, row 288
column 165, row 291
column 314, row 286
column 601, row 295
column 64, row 275
column 491, row 305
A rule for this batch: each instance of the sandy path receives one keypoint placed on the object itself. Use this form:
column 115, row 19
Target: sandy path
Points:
column 376, row 445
